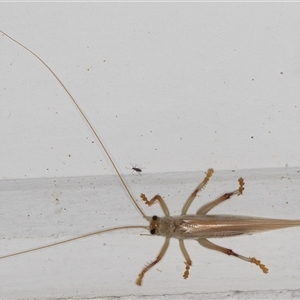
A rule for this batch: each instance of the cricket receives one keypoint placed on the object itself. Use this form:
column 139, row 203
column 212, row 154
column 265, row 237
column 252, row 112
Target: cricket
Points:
column 200, row 226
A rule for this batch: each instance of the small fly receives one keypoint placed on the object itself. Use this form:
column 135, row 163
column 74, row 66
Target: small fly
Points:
column 136, row 169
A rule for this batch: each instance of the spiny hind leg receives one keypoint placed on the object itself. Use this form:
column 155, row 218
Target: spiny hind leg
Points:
column 150, row 265
column 156, row 198
column 201, row 186
column 203, row 210
column 207, row 244
column 188, row 262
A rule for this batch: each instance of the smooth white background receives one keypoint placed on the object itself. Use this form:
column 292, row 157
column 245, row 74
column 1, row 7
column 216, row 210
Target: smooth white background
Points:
column 174, row 88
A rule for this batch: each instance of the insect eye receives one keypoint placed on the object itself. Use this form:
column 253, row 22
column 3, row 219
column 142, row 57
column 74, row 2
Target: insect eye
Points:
column 152, row 231
column 154, row 218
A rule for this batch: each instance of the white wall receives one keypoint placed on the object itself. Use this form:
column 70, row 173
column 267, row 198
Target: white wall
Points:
column 174, row 88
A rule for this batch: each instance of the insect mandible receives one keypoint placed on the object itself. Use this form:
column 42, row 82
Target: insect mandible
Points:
column 199, row 226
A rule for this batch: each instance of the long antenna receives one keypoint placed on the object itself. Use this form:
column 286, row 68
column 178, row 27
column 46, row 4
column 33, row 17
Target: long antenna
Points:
column 87, row 122
column 73, row 239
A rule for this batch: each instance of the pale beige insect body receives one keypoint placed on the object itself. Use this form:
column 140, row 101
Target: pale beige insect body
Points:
column 198, row 227
column 215, row 226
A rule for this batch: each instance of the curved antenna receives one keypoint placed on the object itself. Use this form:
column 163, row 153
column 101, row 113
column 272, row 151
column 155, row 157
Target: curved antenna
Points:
column 73, row 239
column 87, row 122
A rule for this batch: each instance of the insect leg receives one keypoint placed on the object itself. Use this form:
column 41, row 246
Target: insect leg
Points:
column 195, row 192
column 150, row 265
column 188, row 262
column 139, row 171
column 203, row 210
column 154, row 200
column 207, row 244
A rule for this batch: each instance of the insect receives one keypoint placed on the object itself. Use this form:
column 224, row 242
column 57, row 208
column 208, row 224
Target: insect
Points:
column 199, row 226
column 138, row 170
